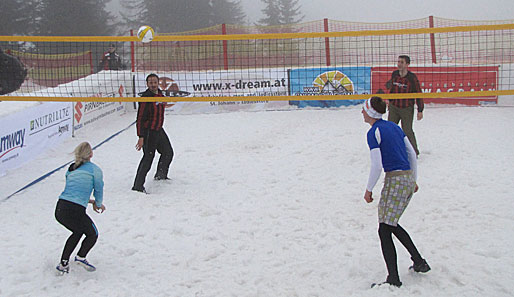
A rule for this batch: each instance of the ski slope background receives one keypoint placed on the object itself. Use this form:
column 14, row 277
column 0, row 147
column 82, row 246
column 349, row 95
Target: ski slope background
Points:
column 270, row 204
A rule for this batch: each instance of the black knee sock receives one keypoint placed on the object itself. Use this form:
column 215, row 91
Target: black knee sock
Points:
column 407, row 242
column 388, row 251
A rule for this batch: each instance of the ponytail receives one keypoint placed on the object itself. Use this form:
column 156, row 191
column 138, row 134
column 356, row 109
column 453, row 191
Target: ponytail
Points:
column 82, row 154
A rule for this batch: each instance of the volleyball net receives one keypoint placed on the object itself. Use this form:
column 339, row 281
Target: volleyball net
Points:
column 455, row 61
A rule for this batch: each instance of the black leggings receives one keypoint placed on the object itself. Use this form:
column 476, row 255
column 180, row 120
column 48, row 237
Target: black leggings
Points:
column 73, row 216
column 389, row 251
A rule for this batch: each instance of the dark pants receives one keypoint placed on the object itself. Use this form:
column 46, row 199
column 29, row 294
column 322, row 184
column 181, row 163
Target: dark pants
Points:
column 73, row 216
column 389, row 251
column 155, row 140
column 406, row 116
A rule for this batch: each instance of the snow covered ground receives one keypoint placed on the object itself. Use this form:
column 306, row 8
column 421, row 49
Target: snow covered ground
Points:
column 270, row 204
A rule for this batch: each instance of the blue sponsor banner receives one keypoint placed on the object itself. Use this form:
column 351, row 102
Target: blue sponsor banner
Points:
column 329, row 81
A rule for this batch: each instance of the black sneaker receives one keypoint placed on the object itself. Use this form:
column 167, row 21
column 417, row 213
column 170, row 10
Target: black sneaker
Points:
column 389, row 281
column 421, row 266
column 142, row 190
column 161, row 178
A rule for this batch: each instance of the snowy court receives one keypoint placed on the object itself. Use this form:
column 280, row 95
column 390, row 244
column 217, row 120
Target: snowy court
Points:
column 271, row 204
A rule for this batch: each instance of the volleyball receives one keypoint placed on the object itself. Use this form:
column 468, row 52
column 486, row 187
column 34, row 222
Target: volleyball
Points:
column 145, row 34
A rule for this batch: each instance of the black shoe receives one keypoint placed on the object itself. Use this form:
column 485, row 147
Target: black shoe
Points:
column 421, row 266
column 161, row 178
column 142, row 190
column 389, row 281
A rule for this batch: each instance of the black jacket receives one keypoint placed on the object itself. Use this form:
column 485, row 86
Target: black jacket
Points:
column 150, row 115
column 12, row 73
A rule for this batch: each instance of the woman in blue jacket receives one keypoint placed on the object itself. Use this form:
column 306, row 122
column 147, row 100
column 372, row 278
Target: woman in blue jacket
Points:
column 82, row 178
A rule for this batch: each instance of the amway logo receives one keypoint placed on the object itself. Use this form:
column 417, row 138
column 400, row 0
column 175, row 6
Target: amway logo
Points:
column 11, row 141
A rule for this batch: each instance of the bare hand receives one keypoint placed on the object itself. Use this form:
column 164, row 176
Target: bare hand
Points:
column 139, row 143
column 100, row 209
column 367, row 196
column 420, row 116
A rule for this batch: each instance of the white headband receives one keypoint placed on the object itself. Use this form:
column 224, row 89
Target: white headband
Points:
column 371, row 111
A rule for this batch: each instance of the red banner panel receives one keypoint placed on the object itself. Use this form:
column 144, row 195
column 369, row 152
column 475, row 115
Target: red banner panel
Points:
column 446, row 79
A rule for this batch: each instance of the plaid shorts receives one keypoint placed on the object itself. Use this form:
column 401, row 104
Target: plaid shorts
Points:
column 396, row 194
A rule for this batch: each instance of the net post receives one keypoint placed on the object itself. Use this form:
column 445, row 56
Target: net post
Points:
column 72, row 119
column 132, row 54
column 134, row 90
column 91, row 62
column 225, row 54
column 327, row 42
column 432, row 39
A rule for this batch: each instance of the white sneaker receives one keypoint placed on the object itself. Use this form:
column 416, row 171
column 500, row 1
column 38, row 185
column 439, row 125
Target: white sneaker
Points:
column 63, row 268
column 84, row 263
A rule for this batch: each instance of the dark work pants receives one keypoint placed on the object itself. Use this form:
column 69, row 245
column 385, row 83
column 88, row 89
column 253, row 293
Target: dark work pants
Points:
column 406, row 116
column 155, row 140
column 73, row 216
column 389, row 251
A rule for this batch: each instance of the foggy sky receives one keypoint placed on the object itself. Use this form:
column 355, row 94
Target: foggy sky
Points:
column 377, row 11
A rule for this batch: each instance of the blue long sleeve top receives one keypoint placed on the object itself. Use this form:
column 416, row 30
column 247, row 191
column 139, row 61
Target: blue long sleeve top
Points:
column 80, row 182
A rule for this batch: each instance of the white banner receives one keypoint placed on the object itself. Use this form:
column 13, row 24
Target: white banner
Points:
column 253, row 82
column 86, row 113
column 26, row 134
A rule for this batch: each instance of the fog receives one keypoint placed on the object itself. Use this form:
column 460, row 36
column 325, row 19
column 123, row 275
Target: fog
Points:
column 376, row 11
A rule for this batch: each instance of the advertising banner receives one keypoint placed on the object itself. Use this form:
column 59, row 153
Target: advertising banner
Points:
column 86, row 113
column 237, row 83
column 446, row 79
column 27, row 134
column 329, row 81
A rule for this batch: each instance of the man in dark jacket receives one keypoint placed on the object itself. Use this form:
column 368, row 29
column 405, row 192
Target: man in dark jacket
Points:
column 152, row 137
column 404, row 81
column 111, row 60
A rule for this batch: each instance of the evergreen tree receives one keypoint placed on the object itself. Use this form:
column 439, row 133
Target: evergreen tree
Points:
column 77, row 18
column 175, row 16
column 198, row 15
column 281, row 12
column 180, row 15
column 290, row 12
column 271, row 13
column 16, row 17
column 226, row 12
column 134, row 15
column 8, row 16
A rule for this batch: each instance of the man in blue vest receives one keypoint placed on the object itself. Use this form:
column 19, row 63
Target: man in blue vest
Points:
column 392, row 151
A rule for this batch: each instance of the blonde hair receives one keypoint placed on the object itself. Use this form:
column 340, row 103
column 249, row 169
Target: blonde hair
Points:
column 82, row 154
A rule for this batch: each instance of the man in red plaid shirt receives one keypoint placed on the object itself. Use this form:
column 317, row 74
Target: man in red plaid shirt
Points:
column 404, row 81
column 152, row 137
